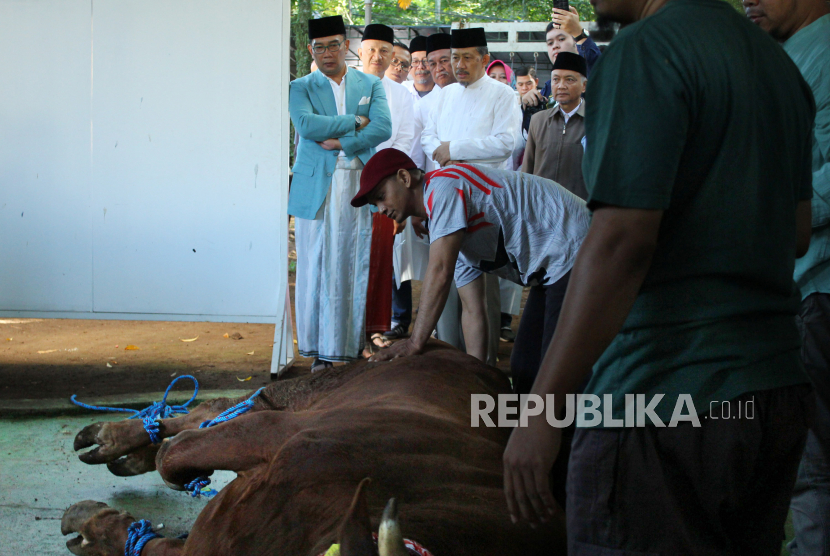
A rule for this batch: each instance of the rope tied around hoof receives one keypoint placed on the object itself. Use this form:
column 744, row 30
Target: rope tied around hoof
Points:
column 154, row 412
column 198, row 486
column 139, row 533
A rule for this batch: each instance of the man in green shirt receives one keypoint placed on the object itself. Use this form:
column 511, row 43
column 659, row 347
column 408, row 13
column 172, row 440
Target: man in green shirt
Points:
column 698, row 169
column 804, row 29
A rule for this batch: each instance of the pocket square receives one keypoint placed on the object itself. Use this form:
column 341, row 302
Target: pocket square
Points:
column 364, row 100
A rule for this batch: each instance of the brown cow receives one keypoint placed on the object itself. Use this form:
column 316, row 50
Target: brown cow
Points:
column 301, row 453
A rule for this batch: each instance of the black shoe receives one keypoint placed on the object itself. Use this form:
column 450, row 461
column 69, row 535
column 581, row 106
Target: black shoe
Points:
column 507, row 335
column 397, row 332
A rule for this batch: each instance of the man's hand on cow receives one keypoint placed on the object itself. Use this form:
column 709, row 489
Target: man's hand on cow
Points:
column 399, row 227
column 331, row 144
column 528, row 459
column 398, row 349
column 418, row 227
column 441, row 155
column 567, row 20
column 533, row 98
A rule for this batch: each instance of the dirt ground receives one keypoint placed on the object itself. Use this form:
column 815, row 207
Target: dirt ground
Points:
column 55, row 358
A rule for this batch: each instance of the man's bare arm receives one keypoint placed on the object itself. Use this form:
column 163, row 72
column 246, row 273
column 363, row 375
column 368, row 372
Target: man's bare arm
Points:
column 443, row 253
column 606, row 278
column 474, row 318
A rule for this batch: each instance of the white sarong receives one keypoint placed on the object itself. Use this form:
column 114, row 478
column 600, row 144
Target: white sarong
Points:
column 333, row 271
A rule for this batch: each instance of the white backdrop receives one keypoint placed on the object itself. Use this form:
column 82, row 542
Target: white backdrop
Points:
column 144, row 159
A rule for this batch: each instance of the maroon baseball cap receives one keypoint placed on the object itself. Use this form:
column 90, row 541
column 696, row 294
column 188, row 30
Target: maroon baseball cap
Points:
column 381, row 166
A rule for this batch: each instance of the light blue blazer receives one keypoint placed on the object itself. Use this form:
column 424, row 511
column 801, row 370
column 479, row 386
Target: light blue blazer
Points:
column 314, row 113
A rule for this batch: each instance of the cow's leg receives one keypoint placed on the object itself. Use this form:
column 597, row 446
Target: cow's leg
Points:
column 102, row 531
column 237, row 445
column 115, row 439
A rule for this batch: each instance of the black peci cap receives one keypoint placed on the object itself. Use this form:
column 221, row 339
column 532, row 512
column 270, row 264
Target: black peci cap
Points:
column 325, row 27
column 468, row 38
column 379, row 32
column 438, row 41
column 572, row 62
column 418, row 44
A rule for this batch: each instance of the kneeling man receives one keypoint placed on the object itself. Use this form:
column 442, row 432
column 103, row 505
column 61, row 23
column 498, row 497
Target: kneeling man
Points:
column 517, row 226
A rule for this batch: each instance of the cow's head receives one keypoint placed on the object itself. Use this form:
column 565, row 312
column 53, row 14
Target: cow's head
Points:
column 355, row 533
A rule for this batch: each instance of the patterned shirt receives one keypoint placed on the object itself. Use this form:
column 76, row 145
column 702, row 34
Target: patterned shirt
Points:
column 520, row 227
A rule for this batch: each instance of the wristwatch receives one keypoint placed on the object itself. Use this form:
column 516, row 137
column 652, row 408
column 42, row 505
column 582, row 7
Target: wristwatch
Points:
column 580, row 36
column 357, row 122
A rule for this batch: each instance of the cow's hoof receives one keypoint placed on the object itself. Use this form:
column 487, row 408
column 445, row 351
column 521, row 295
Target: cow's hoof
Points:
column 139, row 462
column 110, row 441
column 101, row 530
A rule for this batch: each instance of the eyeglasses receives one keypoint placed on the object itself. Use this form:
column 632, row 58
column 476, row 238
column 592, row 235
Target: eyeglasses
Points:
column 423, row 63
column 398, row 64
column 333, row 47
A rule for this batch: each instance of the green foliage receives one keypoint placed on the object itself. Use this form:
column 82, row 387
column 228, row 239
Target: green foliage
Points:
column 423, row 11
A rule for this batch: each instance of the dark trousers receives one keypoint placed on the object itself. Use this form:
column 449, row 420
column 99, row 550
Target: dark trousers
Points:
column 811, row 497
column 402, row 303
column 536, row 329
column 719, row 489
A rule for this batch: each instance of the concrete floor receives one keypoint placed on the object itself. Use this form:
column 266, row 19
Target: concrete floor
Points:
column 40, row 476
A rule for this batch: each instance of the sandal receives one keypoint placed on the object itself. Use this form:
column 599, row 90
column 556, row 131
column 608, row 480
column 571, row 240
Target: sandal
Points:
column 320, row 365
column 397, row 332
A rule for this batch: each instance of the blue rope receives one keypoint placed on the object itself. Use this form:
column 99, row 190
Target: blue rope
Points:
column 138, row 534
column 153, row 413
column 197, row 487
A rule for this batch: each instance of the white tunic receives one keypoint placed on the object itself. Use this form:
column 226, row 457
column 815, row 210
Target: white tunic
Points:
column 422, row 110
column 403, row 124
column 481, row 122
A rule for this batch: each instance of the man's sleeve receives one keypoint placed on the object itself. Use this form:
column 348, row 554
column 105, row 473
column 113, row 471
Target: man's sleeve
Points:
column 429, row 138
column 417, row 152
column 313, row 126
column 446, row 208
column 464, row 273
column 637, row 133
column 530, row 150
column 406, row 129
column 590, row 51
column 498, row 146
column 379, row 128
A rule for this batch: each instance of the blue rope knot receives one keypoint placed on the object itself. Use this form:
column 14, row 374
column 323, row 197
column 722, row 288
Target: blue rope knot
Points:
column 154, row 412
column 196, row 487
column 139, row 533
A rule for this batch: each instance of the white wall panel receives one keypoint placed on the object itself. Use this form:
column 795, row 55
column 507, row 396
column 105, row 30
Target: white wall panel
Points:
column 45, row 190
column 168, row 191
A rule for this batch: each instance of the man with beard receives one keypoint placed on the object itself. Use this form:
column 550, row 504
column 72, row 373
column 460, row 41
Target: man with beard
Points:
column 681, row 296
column 804, row 29
column 474, row 120
column 341, row 115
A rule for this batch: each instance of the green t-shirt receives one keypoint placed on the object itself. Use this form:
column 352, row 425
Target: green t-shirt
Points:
column 697, row 112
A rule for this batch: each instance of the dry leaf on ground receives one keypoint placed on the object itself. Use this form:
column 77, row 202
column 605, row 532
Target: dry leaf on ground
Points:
column 131, row 348
column 47, row 350
column 226, row 335
column 243, row 379
column 189, row 339
column 109, row 366
column 250, row 353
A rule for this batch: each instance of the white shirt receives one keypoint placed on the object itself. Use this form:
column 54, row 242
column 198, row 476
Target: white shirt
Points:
column 403, row 123
column 422, row 107
column 339, row 90
column 541, row 224
column 567, row 115
column 481, row 122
